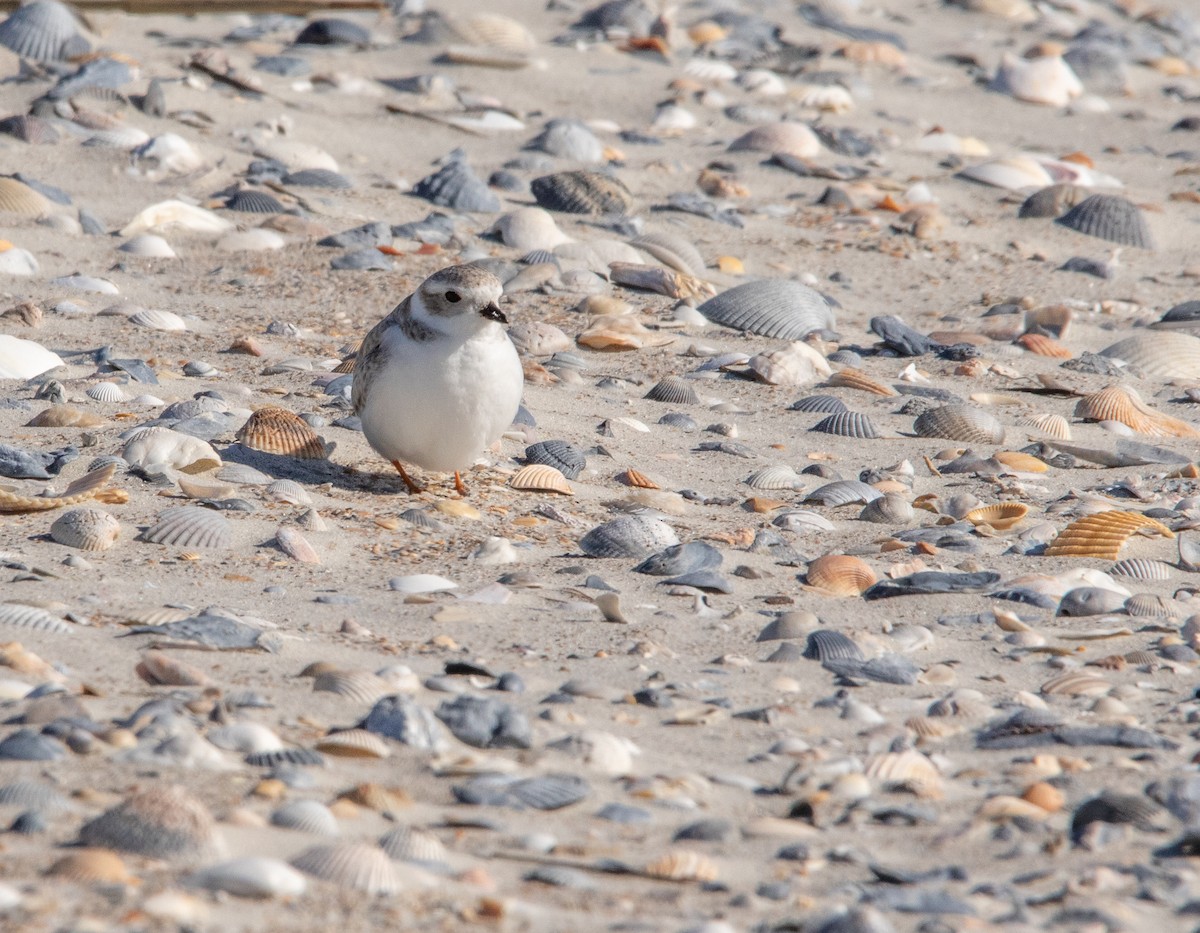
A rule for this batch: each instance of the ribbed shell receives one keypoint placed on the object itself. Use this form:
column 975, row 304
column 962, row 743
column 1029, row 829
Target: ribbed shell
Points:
column 353, row 743
column 91, row 866
column 1123, row 404
column 493, row 31
column 254, row 202
column 843, row 492
column 794, row 139
column 1185, row 315
column 164, row 822
column 43, row 31
column 1102, row 534
column 1109, row 217
column 1139, row 568
column 631, row 536
column 87, row 529
column 850, row 378
column 1051, row 201
column 413, row 844
column 684, row 866
column 16, row 615
column 829, row 645
column 19, row 198
column 188, row 526
column 819, row 403
column 674, row 390
column 1055, row 426
column 540, row 477
column 672, row 250
column 360, row 686
column 774, row 477
column 32, row 794
column 306, row 816
column 776, row 308
column 562, row 455
column 29, row 129
column 355, row 866
column 960, row 423
column 582, row 193
column 1001, row 516
column 841, row 575
column 1148, row 605
column 154, row 319
column 1041, row 345
column 279, row 431
column 1159, row 355
column 317, row 178
column 907, row 768
column 890, row 509
column 1021, row 462
column 847, row 424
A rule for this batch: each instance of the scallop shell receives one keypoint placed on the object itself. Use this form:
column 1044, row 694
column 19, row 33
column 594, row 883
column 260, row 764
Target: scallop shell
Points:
column 841, row 575
column 1123, row 404
column 1047, row 80
column 306, row 816
column 672, row 250
column 907, row 768
column 1012, row 174
column 830, row 645
column 355, row 866
column 162, row 821
column 890, row 509
column 1159, row 354
column 158, row 320
column 1001, row 516
column 360, row 686
column 32, row 618
column 1041, row 345
column 279, row 431
column 43, row 31
column 684, row 866
column 774, row 477
column 776, row 308
column 413, row 844
column 30, row 129
column 92, row 866
column 254, row 202
column 631, row 536
column 93, row 485
column 1076, row 684
column 353, row 743
column 960, row 423
column 582, row 193
column 539, row 477
column 819, row 403
column 188, row 526
column 674, row 391
column 1055, row 426
column 1139, row 568
column 87, row 529
column 19, row 198
column 562, row 455
column 1051, row 201
column 847, row 424
column 107, row 392
column 1110, row 217
column 253, row 876
column 850, row 378
column 794, row 139
column 843, row 492
column 1102, row 534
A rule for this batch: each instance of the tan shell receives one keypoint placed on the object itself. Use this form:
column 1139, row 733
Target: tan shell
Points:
column 908, row 768
column 1123, row 404
column 850, row 378
column 1076, row 684
column 161, row 670
column 960, row 423
column 1044, row 346
column 296, row 546
column 1055, row 426
column 89, row 486
column 65, row 416
column 18, row 198
column 360, row 686
column 1102, row 534
column 1001, row 516
column 356, row 866
column 279, row 431
column 538, row 477
column 1021, row 462
column 636, row 478
column 1159, row 354
column 795, row 139
column 493, row 31
column 92, row 865
column 353, row 743
column 841, row 575
column 683, row 865
column 87, row 529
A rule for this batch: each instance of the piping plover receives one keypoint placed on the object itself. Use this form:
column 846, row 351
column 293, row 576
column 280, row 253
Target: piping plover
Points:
column 438, row 380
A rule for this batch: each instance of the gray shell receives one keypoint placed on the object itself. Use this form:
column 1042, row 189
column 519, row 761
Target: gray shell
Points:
column 1148, row 605
column 1140, row 568
column 1051, row 201
column 1110, row 217
column 43, row 31
column 454, row 185
column 776, row 308
column 306, row 816
column 568, row 139
column 254, row 202
column 681, row 558
column 774, row 477
column 32, row 618
column 819, row 403
column 581, row 193
column 317, row 178
column 826, row 644
column 677, row 419
column 847, row 424
column 674, row 390
column 399, row 718
column 843, row 492
column 630, row 536
column 32, row 794
column 27, row 745
column 356, row 866
column 888, row 509
column 413, row 844
column 191, row 527
column 564, row 456
column 960, row 423
column 672, row 250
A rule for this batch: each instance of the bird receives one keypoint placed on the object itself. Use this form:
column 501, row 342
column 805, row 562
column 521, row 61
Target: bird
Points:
column 438, row 380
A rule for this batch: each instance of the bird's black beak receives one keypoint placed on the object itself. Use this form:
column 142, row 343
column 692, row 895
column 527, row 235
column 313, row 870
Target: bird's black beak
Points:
column 493, row 313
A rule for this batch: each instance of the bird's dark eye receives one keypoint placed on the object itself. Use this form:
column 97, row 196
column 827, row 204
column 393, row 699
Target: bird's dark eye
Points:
column 453, row 297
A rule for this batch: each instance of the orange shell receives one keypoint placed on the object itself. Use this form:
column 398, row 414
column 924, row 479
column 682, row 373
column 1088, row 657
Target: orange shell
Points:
column 855, row 379
column 1022, row 462
column 874, row 53
column 632, row 477
column 538, row 477
column 91, row 865
column 1044, row 346
column 353, row 743
column 1001, row 516
column 841, row 575
column 684, row 866
column 279, row 431
column 1120, row 403
column 1102, row 534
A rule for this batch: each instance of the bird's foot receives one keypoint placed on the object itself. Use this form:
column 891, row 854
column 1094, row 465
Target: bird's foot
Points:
column 458, row 485
column 412, row 487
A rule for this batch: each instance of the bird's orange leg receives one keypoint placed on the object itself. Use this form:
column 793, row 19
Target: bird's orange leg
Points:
column 458, row 484
column 412, row 487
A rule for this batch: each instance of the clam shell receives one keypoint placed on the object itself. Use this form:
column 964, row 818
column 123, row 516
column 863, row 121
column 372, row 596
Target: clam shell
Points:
column 850, row 378
column 684, row 866
column 353, row 743
column 960, row 423
column 30, row 129
column 279, row 431
column 774, row 477
column 162, row 821
column 1055, row 426
column 188, row 526
column 841, row 575
column 843, row 492
column 539, row 477
column 19, row 198
column 562, row 455
column 87, row 529
column 254, row 876
column 1102, row 534
column 890, row 509
column 631, row 536
column 1021, row 462
column 360, row 686
column 1123, row 404
column 1139, row 568
column 674, row 391
column 1047, row 80
column 1013, row 174
column 92, row 866
column 1159, row 354
column 1076, row 684
column 819, row 403
column 673, row 250
column 794, row 139
column 107, row 392
column 908, row 768
column 1001, row 516
column 1110, row 217
column 582, row 193
column 31, row 794
column 794, row 364
column 43, row 31
column 306, row 816
column 493, row 31
column 529, row 228
column 150, row 246
column 158, row 320
column 413, row 844
column 847, row 424
column 568, row 139
column 355, row 866
column 776, row 308
column 1051, row 201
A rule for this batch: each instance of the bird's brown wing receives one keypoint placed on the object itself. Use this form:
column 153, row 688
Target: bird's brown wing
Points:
column 371, row 356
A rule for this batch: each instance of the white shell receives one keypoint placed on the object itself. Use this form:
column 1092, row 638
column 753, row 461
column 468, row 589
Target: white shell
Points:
column 250, row 241
column 148, row 245
column 528, row 229
column 1159, row 354
column 795, row 139
column 306, row 816
column 189, row 526
column 251, row 877
column 352, row 865
column 162, row 447
column 107, row 392
column 1013, row 173
column 87, row 529
column 1048, row 80
column 158, row 320
column 176, row 215
column 24, row 359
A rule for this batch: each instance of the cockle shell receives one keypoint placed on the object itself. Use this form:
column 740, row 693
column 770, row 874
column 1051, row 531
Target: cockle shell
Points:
column 354, row 866
column 1001, row 516
column 672, row 250
column 562, row 455
column 1102, row 534
column 632, row 536
column 1139, row 568
column 774, row 477
column 794, row 139
column 413, row 844
column 776, row 308
column 92, row 866
column 908, row 768
column 841, row 575
column 850, row 378
column 847, row 424
column 18, row 198
column 44, row 31
column 843, row 492
column 1055, row 426
column 279, row 431
column 819, row 403
column 674, row 390
column 87, row 529
column 540, row 477
column 162, row 821
column 684, row 866
column 1048, row 80
column 582, row 193
column 1042, row 345
column 188, row 526
column 306, row 816
column 1159, row 354
column 1051, row 201
column 1110, row 217
column 107, row 392
column 1123, row 404
column 960, row 423
column 1076, row 684
column 889, row 509
column 155, row 319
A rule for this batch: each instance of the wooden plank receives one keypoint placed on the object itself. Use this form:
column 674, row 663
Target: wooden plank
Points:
column 195, row 7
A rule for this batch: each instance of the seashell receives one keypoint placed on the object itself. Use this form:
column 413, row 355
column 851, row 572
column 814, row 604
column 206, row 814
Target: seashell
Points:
column 847, row 424
column 1159, row 354
column 92, row 866
column 1012, row 174
column 1051, row 201
column 673, row 250
column 1139, row 568
column 1048, row 80
column 843, row 492
column 17, row 615
column 360, row 686
column 248, row 738
column 568, row 139
column 19, row 198
column 1020, row 462
column 279, row 431
column 802, row 521
column 162, row 821
column 1123, row 404
column 537, row 338
column 150, row 246
column 24, row 359
column 1102, row 534
column 637, row 479
column 118, row 137
column 539, row 477
column 456, row 186
column 1001, row 516
column 631, row 536
column 529, row 228
column 774, row 477
column 254, row 876
column 682, row 865
column 776, row 308
column 1055, row 426
column 582, row 193
column 1109, row 217
column 44, row 31
column 908, row 768
column 674, row 391
column 64, row 416
column 31, row 794
column 306, row 816
column 254, row 202
column 1148, row 605
column 176, row 215
column 794, row 139
column 850, row 378
column 158, row 320
column 1076, row 684
column 156, row 447
column 819, row 403
column 413, row 844
column 562, row 455
column 296, row 546
column 355, row 866
column 92, row 485
column 282, row 490
column 30, row 129
column 795, row 364
column 353, row 743
column 188, row 526
column 87, row 529
column 890, row 509
column 829, row 645
column 960, row 423
column 829, row 98
column 1041, row 345
column 841, row 575
column 107, row 392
